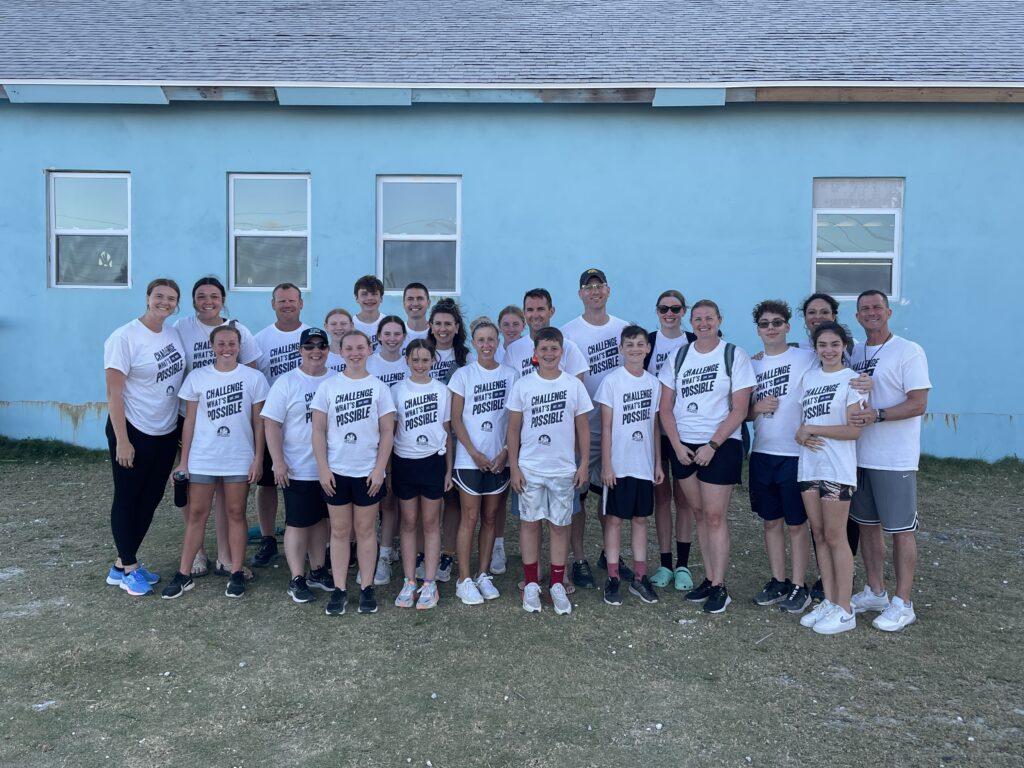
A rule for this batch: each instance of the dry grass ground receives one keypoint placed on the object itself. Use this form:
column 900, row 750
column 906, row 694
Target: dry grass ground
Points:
column 93, row 677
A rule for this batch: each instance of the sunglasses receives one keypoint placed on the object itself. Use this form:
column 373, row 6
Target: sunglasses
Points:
column 776, row 323
column 664, row 309
column 311, row 345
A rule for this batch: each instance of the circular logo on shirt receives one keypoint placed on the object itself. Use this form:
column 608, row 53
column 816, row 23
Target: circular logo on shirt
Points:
column 638, row 436
column 223, row 431
column 487, row 427
column 170, row 391
column 544, row 440
column 421, row 440
column 691, row 407
column 350, row 437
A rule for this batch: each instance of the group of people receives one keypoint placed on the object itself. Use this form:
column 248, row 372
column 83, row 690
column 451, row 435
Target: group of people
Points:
column 390, row 435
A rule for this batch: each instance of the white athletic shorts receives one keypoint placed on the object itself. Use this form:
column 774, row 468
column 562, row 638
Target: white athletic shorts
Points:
column 547, row 498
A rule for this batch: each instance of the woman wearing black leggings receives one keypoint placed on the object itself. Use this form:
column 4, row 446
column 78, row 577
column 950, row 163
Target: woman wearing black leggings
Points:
column 144, row 363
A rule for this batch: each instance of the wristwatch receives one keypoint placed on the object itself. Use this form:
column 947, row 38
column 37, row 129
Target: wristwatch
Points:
column 881, row 415
column 714, row 446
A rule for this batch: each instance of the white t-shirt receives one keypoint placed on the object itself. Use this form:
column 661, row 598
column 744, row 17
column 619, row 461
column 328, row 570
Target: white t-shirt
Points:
column 154, row 366
column 336, row 362
column 354, row 408
column 411, row 336
column 896, row 368
column 779, row 376
column 389, row 372
column 370, row 329
column 195, row 337
column 634, row 403
column 547, row 444
column 280, row 350
column 223, row 442
column 519, row 357
column 702, row 391
column 483, row 413
column 824, row 399
column 444, row 365
column 421, row 413
column 663, row 348
column 288, row 403
column 600, row 347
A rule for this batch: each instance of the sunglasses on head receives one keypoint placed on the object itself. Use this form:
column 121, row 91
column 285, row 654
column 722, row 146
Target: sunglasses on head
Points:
column 776, row 323
column 664, row 309
column 309, row 346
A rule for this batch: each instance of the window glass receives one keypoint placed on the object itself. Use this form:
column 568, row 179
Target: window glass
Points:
column 419, row 208
column 92, row 260
column 856, row 232
column 263, row 262
column 90, row 202
column 270, row 205
column 429, row 262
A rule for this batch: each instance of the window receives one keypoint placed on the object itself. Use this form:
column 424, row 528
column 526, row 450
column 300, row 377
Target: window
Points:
column 857, row 234
column 419, row 222
column 269, row 230
column 90, row 229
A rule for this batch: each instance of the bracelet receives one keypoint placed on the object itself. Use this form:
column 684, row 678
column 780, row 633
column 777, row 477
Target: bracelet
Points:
column 714, row 446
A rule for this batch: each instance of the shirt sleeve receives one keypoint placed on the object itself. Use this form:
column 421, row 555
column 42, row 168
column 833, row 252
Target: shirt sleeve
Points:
column 667, row 375
column 915, row 370
column 742, row 371
column 604, row 395
column 251, row 352
column 573, row 360
column 446, row 413
column 320, row 402
column 188, row 390
column 260, row 389
column 583, row 402
column 385, row 403
column 514, row 402
column 275, row 407
column 117, row 353
column 458, row 384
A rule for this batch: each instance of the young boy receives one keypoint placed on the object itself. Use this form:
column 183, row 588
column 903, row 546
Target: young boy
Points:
column 547, row 428
column 630, row 460
column 416, row 303
column 369, row 292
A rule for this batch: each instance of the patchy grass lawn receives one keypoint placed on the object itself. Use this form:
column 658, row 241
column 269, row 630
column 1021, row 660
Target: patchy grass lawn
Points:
column 94, row 677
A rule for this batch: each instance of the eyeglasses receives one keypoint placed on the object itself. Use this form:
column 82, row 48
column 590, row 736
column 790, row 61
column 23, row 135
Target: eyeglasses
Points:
column 593, row 287
column 664, row 309
column 776, row 323
column 311, row 345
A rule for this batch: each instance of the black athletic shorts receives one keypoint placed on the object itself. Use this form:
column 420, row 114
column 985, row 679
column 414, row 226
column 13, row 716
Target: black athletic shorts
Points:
column 304, row 503
column 418, row 477
column 353, row 490
column 631, row 497
column 267, row 478
column 774, row 491
column 726, row 467
column 476, row 482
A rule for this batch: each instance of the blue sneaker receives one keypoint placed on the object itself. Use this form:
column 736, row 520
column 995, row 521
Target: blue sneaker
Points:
column 115, row 576
column 135, row 583
column 149, row 576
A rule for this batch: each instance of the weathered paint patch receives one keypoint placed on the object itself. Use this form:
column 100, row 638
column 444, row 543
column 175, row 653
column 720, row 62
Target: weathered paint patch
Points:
column 69, row 412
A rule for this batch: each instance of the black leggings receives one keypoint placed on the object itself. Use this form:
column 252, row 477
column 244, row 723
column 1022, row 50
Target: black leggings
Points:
column 138, row 491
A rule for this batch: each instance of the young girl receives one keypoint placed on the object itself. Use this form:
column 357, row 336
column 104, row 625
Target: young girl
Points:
column 221, row 444
column 422, row 467
column 480, row 420
column 511, row 322
column 388, row 365
column 353, row 431
column 338, row 322
column 828, row 473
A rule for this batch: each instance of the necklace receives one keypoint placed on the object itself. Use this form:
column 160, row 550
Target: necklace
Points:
column 869, row 365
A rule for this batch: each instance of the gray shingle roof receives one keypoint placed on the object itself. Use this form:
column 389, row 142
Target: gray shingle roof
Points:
column 512, row 42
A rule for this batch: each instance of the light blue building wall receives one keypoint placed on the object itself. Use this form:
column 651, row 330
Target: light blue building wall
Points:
column 713, row 201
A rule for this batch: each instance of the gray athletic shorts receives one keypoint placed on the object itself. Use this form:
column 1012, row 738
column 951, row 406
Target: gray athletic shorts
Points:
column 887, row 498
column 547, row 498
column 214, row 479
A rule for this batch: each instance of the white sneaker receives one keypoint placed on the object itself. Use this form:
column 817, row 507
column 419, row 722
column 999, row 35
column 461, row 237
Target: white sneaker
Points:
column 867, row 600
column 531, row 598
column 466, row 590
column 407, row 597
column 486, row 587
column 428, row 596
column 382, row 575
column 838, row 620
column 498, row 565
column 819, row 612
column 560, row 600
column 444, row 568
column 897, row 616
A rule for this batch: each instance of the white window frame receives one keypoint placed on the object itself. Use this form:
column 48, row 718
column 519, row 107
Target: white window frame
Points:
column 232, row 234
column 54, row 231
column 456, row 238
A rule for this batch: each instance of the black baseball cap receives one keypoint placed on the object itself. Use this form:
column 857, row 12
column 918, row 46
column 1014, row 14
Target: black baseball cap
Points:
column 312, row 333
column 591, row 273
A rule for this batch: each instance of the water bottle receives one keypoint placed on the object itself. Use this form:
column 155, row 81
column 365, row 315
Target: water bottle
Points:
column 180, row 489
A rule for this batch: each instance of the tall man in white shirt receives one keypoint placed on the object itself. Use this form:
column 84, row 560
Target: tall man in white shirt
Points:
column 279, row 344
column 887, row 457
column 597, row 334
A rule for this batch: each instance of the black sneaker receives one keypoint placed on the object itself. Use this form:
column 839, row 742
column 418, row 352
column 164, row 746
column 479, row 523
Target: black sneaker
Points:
column 644, row 590
column 367, row 601
column 336, row 607
column 774, row 591
column 319, row 578
column 700, row 593
column 236, row 584
column 444, row 568
column 797, row 601
column 299, row 591
column 265, row 552
column 717, row 600
column 582, row 576
column 611, row 592
column 818, row 591
column 180, row 584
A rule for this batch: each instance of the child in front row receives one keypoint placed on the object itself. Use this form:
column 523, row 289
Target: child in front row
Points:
column 630, row 460
column 547, row 429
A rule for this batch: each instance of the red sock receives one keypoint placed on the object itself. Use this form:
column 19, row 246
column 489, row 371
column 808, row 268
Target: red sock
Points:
column 640, row 569
column 613, row 569
column 530, row 574
column 557, row 574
